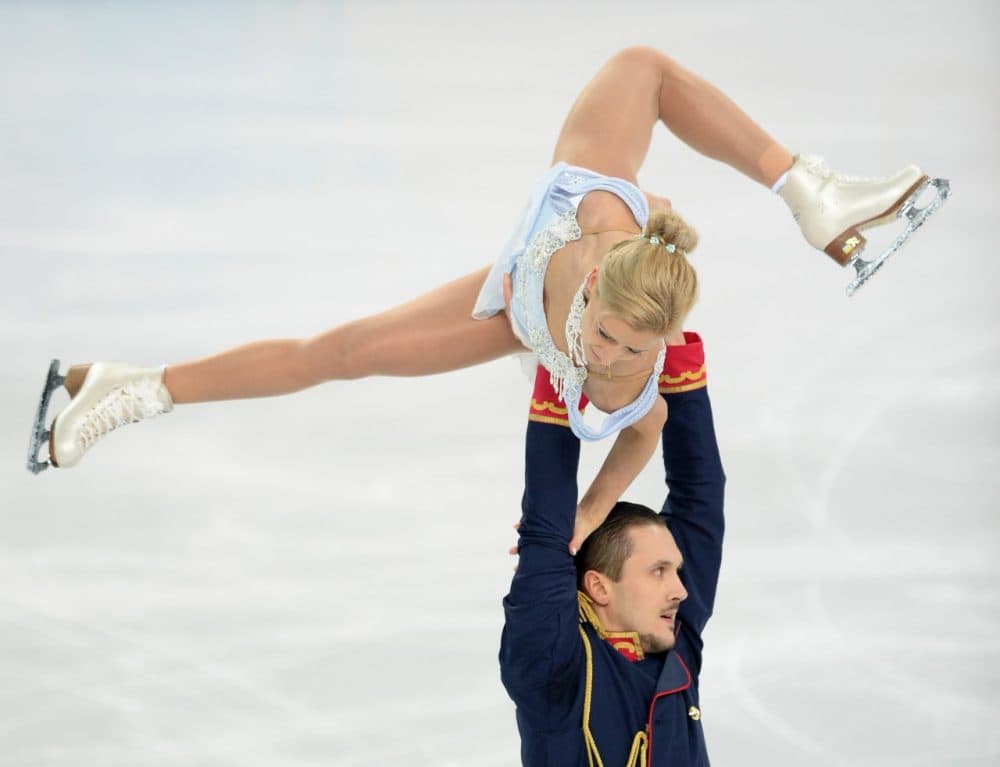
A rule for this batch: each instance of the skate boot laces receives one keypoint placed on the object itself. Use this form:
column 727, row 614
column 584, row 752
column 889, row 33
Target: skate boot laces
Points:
column 817, row 166
column 123, row 405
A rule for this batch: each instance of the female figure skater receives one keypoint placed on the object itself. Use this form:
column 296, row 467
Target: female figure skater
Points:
column 594, row 284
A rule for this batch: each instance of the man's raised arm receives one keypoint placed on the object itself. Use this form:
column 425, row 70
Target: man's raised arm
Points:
column 695, row 479
column 540, row 651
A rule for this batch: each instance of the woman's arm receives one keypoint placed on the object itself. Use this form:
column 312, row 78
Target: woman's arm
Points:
column 633, row 448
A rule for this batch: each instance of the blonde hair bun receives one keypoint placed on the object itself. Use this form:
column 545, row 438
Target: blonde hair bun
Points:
column 671, row 228
column 648, row 281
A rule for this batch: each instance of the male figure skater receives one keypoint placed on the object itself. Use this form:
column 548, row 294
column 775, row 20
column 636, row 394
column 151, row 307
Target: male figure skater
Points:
column 602, row 655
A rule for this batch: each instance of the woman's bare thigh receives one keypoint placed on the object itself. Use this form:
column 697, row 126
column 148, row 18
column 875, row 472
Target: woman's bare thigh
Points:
column 431, row 334
column 609, row 127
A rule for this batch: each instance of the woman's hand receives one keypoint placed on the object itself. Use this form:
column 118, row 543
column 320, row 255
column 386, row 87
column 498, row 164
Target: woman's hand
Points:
column 586, row 522
column 656, row 201
column 588, row 519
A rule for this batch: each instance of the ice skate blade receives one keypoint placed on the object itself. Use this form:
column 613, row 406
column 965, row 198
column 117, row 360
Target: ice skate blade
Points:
column 39, row 433
column 914, row 216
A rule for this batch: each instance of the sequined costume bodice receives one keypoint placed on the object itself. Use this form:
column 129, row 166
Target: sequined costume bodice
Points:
column 548, row 223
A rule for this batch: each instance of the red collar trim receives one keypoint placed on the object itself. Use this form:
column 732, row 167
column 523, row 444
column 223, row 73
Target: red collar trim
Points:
column 626, row 643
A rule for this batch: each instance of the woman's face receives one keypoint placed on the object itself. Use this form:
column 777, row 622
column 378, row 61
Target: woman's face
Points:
column 610, row 341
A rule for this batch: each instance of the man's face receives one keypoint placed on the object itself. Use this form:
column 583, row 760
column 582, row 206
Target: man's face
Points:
column 646, row 598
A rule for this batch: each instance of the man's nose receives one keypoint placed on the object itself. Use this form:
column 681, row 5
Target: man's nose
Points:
column 678, row 591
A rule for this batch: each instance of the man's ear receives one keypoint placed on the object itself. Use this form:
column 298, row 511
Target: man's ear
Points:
column 595, row 586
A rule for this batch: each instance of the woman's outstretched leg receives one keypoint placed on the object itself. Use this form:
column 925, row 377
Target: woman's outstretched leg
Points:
column 431, row 334
column 609, row 128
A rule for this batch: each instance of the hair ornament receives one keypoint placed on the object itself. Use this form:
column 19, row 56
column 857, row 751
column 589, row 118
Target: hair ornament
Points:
column 655, row 240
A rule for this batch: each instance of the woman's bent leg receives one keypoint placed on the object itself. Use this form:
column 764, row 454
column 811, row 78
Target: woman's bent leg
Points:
column 431, row 334
column 610, row 126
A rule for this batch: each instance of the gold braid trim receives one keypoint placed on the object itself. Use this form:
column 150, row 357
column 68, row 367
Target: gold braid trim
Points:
column 686, row 387
column 686, row 375
column 536, row 405
column 593, row 755
column 588, row 615
column 640, row 743
column 640, row 750
column 548, row 419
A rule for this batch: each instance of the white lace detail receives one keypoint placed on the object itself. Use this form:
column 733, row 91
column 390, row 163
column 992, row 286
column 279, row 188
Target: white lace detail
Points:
column 124, row 404
column 563, row 373
column 574, row 331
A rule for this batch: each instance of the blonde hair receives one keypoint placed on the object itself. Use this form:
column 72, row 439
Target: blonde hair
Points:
column 647, row 281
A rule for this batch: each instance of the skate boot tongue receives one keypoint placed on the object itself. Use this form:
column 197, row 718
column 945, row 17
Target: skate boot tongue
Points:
column 126, row 404
column 112, row 395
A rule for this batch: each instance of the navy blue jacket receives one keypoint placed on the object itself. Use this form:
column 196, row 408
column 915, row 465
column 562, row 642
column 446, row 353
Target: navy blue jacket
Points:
column 542, row 655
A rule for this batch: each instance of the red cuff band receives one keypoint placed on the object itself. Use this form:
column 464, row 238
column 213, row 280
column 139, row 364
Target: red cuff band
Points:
column 546, row 405
column 684, row 368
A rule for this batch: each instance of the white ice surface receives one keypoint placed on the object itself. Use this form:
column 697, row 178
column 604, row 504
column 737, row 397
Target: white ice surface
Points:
column 317, row 579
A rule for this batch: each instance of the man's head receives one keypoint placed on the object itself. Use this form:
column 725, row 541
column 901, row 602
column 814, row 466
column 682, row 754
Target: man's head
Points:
column 629, row 568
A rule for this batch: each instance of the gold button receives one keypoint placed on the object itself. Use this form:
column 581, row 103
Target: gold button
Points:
column 694, row 713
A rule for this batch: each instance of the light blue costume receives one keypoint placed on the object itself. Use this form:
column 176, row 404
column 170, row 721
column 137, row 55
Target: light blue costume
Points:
column 548, row 223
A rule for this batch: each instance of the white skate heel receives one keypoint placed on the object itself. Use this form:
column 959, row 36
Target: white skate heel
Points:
column 105, row 395
column 832, row 210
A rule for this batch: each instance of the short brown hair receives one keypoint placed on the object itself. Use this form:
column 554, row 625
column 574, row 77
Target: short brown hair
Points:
column 607, row 548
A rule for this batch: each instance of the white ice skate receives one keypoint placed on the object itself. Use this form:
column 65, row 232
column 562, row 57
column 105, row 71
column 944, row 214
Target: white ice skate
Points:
column 105, row 395
column 832, row 210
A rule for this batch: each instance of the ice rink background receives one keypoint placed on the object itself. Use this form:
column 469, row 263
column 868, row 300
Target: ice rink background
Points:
column 317, row 579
